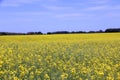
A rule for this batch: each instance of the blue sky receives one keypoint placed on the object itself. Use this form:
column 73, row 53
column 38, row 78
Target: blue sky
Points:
column 58, row 15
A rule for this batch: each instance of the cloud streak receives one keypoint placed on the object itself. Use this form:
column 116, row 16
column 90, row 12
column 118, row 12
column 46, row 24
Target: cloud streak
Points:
column 68, row 15
column 56, row 8
column 16, row 3
column 102, row 7
column 31, row 13
column 98, row 1
column 97, row 8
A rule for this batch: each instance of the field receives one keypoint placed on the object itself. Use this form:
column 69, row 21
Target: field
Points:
column 60, row 57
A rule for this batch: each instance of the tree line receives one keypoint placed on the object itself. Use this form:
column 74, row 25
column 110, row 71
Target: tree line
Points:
column 62, row 32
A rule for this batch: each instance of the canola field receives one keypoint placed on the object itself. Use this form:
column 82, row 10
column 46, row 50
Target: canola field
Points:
column 60, row 57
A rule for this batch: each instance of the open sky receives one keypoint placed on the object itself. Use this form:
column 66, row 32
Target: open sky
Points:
column 58, row 15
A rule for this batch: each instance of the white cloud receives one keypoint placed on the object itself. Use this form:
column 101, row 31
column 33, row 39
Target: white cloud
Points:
column 93, row 2
column 93, row 8
column 33, row 13
column 102, row 7
column 98, row 1
column 9, row 5
column 115, row 7
column 69, row 15
column 57, row 7
column 39, row 13
column 15, row 3
column 112, row 14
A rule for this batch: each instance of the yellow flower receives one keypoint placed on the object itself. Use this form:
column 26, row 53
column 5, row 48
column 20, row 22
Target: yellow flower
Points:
column 15, row 78
column 84, row 70
column 1, row 72
column 38, row 72
column 110, row 78
column 46, row 76
column 80, row 79
column 108, row 68
column 73, row 70
column 1, row 62
column 118, row 76
column 101, row 73
column 64, row 75
column 22, row 74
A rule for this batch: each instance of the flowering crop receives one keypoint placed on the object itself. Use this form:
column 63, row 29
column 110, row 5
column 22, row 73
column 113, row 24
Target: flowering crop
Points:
column 60, row 57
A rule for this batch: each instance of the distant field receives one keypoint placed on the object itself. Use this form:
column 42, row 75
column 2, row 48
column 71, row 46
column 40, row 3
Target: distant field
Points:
column 60, row 57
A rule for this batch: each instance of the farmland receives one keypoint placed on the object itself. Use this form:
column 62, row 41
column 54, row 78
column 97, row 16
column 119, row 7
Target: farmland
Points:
column 60, row 57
